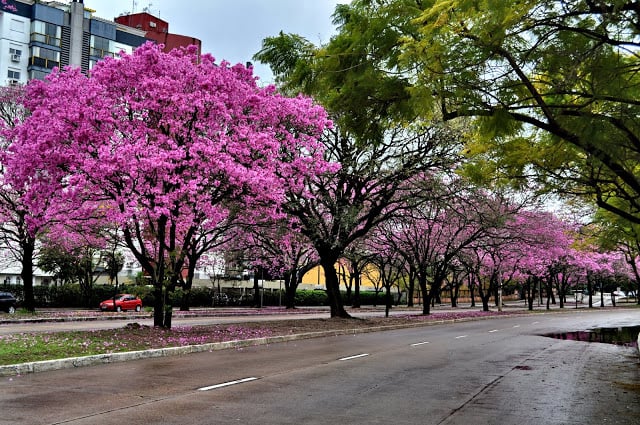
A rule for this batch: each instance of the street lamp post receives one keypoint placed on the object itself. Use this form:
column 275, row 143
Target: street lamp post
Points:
column 499, row 292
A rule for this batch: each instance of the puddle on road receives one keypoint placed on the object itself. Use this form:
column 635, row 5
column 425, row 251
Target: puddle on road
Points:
column 626, row 335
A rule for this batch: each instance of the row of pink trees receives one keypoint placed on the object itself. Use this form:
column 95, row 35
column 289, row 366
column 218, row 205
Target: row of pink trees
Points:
column 164, row 146
column 470, row 235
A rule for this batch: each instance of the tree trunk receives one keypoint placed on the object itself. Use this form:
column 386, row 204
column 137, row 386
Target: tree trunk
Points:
column 484, row 296
column 549, row 289
column 561, row 294
column 471, row 290
column 454, row 295
column 426, row 296
column 290, row 296
column 187, row 285
column 257, row 299
column 410, row 293
column 529, row 292
column 411, row 288
column 388, row 301
column 158, row 306
column 333, row 288
column 356, row 288
column 348, row 283
column 28, row 249
column 291, row 282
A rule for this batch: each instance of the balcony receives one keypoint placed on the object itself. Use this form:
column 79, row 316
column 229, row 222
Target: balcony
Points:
column 45, row 39
column 43, row 63
column 100, row 53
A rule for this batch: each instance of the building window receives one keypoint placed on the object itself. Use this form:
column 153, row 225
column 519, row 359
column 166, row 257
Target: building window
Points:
column 17, row 26
column 101, row 47
column 44, row 58
column 34, row 74
column 13, row 75
column 13, row 51
column 44, row 32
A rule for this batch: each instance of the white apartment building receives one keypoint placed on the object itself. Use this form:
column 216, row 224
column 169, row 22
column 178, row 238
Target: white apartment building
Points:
column 36, row 37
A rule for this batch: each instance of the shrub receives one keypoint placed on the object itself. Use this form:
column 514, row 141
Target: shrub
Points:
column 307, row 297
column 372, row 298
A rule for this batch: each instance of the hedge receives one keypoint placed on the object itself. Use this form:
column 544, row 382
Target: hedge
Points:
column 69, row 296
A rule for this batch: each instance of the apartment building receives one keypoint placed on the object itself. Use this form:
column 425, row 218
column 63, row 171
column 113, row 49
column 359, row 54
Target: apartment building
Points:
column 37, row 36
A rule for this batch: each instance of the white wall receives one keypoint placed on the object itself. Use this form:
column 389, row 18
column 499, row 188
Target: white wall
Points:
column 14, row 33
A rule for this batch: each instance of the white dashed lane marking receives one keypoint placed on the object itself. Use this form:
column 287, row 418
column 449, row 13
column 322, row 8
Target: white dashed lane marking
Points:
column 419, row 343
column 226, row 384
column 354, row 357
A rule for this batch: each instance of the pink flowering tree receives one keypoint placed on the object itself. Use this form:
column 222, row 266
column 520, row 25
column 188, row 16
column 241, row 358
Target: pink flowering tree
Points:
column 21, row 223
column 540, row 252
column 388, row 268
column 277, row 247
column 432, row 236
column 157, row 143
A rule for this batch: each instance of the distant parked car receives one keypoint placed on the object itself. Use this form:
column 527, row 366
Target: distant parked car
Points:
column 123, row 302
column 8, row 302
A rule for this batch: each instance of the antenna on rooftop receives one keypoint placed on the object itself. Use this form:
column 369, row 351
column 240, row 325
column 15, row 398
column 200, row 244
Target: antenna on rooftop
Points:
column 134, row 6
column 147, row 8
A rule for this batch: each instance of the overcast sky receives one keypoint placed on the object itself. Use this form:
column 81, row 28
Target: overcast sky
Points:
column 233, row 29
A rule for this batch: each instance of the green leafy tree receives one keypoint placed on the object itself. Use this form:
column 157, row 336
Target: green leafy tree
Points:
column 554, row 85
column 81, row 265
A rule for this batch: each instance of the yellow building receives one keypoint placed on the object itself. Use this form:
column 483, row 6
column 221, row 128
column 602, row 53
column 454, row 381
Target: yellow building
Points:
column 315, row 278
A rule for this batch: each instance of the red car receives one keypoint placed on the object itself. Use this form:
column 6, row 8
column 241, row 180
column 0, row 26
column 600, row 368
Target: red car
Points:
column 123, row 302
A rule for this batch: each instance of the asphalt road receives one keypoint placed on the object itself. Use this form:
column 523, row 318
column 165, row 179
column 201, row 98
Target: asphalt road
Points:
column 496, row 371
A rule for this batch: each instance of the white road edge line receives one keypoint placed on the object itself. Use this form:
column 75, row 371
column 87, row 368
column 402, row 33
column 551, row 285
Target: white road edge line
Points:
column 354, row 357
column 495, row 330
column 226, row 384
column 419, row 343
column 462, row 336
